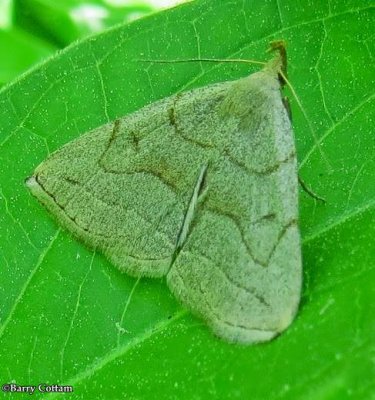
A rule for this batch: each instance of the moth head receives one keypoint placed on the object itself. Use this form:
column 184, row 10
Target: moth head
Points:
column 250, row 96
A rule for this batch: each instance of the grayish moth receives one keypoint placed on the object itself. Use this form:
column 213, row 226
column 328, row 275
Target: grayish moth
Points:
column 200, row 188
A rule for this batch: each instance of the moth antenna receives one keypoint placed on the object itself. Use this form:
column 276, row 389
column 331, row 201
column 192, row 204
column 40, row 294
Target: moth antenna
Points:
column 280, row 46
column 214, row 60
column 313, row 134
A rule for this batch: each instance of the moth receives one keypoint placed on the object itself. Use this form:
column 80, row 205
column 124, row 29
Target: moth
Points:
column 200, row 188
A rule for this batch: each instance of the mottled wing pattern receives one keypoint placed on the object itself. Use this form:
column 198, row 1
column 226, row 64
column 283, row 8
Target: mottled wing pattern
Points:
column 240, row 267
column 200, row 187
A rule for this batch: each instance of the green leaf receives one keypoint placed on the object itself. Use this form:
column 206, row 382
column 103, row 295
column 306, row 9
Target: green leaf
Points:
column 64, row 21
column 22, row 50
column 69, row 317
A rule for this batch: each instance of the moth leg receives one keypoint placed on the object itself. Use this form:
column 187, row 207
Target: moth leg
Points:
column 288, row 109
column 309, row 191
column 197, row 195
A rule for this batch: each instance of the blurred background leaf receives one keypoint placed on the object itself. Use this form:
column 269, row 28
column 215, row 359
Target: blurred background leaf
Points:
column 30, row 30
